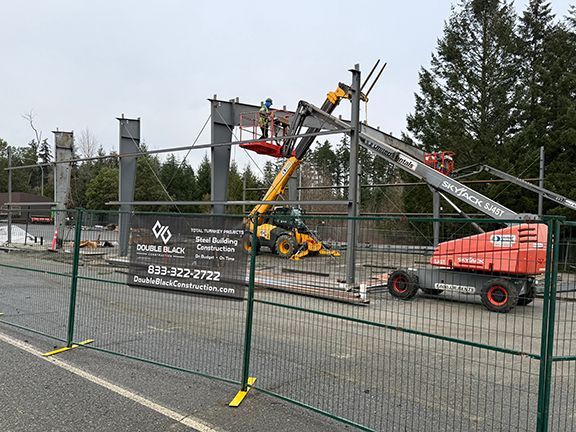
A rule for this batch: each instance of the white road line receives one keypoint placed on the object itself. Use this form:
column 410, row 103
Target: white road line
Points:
column 180, row 418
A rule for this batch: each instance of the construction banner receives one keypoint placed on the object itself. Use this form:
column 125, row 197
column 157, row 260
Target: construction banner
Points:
column 202, row 255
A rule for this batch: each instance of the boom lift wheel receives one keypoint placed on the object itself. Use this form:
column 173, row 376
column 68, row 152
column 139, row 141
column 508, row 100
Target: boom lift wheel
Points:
column 285, row 246
column 403, row 285
column 499, row 295
column 527, row 298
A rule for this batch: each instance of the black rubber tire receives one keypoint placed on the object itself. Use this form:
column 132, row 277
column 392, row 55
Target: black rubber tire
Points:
column 431, row 291
column 285, row 246
column 247, row 243
column 528, row 297
column 499, row 295
column 402, row 285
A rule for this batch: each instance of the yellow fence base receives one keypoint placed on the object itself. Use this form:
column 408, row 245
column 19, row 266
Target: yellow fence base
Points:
column 242, row 393
column 60, row 350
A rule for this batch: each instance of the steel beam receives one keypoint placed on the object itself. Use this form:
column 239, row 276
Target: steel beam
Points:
column 234, row 108
column 229, row 203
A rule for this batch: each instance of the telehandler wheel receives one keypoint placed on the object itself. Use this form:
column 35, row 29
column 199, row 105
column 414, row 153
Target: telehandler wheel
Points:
column 247, row 243
column 285, row 246
column 431, row 291
column 527, row 298
column 499, row 295
column 403, row 285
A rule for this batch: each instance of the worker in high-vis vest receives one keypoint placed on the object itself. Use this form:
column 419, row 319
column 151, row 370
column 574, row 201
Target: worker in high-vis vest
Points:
column 264, row 117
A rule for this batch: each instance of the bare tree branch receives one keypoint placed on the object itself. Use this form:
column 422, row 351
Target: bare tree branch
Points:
column 30, row 119
column 87, row 143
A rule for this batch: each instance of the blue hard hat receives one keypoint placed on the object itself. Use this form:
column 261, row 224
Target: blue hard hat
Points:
column 269, row 101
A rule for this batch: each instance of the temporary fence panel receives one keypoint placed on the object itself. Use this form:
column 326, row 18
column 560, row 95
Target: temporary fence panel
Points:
column 159, row 303
column 35, row 291
column 410, row 341
column 563, row 380
column 438, row 361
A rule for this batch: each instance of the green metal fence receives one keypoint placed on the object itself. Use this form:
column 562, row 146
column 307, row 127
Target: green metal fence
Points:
column 354, row 352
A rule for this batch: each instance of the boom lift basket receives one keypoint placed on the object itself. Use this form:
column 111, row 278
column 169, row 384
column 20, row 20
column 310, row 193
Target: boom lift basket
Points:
column 442, row 161
column 250, row 128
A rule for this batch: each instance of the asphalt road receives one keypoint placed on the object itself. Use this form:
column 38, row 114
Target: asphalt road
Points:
column 38, row 395
column 378, row 376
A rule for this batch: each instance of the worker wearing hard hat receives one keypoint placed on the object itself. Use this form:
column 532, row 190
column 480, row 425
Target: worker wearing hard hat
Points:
column 264, row 117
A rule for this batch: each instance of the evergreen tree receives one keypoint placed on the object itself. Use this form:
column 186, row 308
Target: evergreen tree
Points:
column 467, row 97
column 44, row 152
column 179, row 179
column 102, row 188
column 560, row 102
column 203, row 180
column 148, row 186
column 47, row 179
column 535, row 28
column 252, row 184
column 521, row 158
column 325, row 164
column 271, row 169
column 235, row 187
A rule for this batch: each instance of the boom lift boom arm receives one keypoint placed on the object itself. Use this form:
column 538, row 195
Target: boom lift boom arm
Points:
column 295, row 155
column 560, row 199
column 417, row 168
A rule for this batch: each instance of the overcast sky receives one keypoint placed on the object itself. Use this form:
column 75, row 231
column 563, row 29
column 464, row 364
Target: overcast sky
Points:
column 80, row 64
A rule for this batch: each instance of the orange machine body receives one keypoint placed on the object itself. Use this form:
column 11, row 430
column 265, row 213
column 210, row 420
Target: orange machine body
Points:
column 515, row 250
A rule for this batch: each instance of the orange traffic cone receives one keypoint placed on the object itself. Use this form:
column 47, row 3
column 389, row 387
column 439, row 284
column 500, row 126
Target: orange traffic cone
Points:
column 54, row 239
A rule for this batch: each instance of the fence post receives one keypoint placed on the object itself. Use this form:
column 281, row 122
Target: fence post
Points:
column 250, row 307
column 74, row 282
column 548, row 318
column 248, row 381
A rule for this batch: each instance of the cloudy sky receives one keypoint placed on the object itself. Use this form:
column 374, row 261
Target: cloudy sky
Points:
column 78, row 65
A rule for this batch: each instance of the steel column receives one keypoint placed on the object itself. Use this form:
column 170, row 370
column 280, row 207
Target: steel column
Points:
column 222, row 119
column 293, row 185
column 436, row 215
column 129, row 143
column 63, row 144
column 9, row 233
column 353, row 182
column 541, row 183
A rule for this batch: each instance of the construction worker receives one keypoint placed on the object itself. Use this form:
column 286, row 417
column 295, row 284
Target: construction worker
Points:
column 263, row 118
